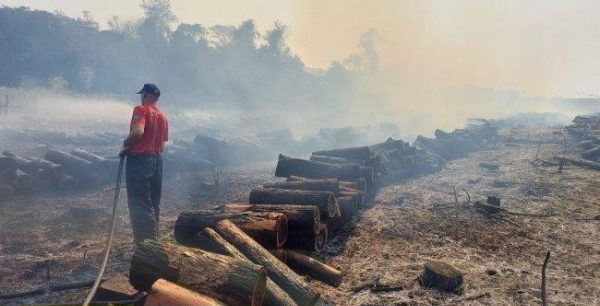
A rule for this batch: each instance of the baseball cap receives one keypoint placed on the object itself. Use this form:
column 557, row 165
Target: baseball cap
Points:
column 151, row 89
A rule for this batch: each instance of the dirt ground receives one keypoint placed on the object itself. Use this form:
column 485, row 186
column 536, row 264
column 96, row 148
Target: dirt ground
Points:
column 410, row 222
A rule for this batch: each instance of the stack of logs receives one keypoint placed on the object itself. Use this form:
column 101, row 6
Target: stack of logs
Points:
column 586, row 130
column 252, row 253
column 58, row 171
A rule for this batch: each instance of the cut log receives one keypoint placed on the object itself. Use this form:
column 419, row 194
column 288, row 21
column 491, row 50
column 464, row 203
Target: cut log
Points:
column 8, row 170
column 306, row 265
column 282, row 275
column 324, row 200
column 164, row 293
column 336, row 160
column 28, row 183
column 347, row 207
column 441, row 275
column 46, row 165
column 359, row 184
column 380, row 163
column 231, row 280
column 331, row 185
column 116, row 288
column 303, row 223
column 302, row 219
column 6, row 192
column 350, row 185
column 274, row 296
column 73, row 164
column 287, row 166
column 25, row 165
column 361, row 153
column 313, row 243
column 592, row 154
column 268, row 228
column 281, row 254
column 91, row 157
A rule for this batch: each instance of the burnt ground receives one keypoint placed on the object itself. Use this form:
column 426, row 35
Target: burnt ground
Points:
column 410, row 222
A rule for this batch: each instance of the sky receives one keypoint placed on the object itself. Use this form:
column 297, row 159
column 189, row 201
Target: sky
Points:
column 535, row 47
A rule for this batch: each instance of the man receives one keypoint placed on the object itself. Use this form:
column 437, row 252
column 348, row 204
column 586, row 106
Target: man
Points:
column 148, row 132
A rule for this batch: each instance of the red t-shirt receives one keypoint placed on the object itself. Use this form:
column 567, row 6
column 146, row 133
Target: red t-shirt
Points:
column 156, row 129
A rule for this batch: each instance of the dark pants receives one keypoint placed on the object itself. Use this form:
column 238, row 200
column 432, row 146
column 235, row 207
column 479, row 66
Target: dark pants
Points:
column 144, row 184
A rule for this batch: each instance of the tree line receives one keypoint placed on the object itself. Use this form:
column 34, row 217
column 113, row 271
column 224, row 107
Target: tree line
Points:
column 221, row 65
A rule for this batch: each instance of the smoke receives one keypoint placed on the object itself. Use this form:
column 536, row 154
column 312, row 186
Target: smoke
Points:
column 439, row 63
column 413, row 65
column 45, row 110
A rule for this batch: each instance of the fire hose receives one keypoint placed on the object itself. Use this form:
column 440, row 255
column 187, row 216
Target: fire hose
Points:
column 111, row 233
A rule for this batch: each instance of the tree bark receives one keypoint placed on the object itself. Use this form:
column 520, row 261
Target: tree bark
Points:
column 231, row 280
column 336, row 160
column 91, row 157
column 164, row 292
column 268, row 228
column 76, row 166
column 324, row 200
column 23, row 164
column 46, row 165
column 313, row 243
column 361, row 153
column 8, row 170
column 347, row 207
column 282, row 275
column 331, row 185
column 274, row 296
column 302, row 219
column 306, row 265
column 287, row 166
column 441, row 275
column 359, row 184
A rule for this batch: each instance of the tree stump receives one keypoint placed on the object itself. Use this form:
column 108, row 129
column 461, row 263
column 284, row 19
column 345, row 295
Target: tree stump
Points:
column 442, row 276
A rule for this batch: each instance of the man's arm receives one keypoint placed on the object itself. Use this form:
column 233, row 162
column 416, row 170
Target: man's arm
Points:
column 135, row 134
column 138, row 122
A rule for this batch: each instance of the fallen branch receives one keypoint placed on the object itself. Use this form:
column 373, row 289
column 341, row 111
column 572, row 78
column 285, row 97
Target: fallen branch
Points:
column 509, row 212
column 542, row 162
column 51, row 288
column 544, row 300
column 580, row 162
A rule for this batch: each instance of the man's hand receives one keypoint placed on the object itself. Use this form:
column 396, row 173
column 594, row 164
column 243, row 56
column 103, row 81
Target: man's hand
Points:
column 124, row 151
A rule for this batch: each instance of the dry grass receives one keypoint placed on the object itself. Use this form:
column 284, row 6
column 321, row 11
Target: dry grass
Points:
column 411, row 222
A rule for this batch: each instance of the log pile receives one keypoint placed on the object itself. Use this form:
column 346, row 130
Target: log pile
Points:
column 57, row 171
column 254, row 253
column 447, row 146
column 586, row 130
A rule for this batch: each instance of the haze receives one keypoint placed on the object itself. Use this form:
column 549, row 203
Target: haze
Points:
column 537, row 47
